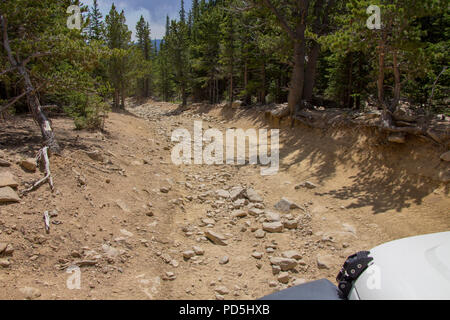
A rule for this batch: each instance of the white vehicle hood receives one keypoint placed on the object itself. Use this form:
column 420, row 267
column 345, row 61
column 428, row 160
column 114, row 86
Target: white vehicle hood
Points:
column 411, row 268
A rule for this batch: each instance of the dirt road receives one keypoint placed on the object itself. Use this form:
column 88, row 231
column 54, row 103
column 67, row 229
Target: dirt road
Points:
column 140, row 227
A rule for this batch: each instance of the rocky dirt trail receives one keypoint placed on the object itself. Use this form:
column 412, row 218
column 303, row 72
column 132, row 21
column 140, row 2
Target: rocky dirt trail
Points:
column 140, row 227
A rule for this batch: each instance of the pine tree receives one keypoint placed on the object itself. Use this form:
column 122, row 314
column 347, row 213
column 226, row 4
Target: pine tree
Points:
column 228, row 51
column 118, row 38
column 204, row 54
column 195, row 10
column 178, row 53
column 164, row 67
column 182, row 13
column 145, row 45
column 96, row 25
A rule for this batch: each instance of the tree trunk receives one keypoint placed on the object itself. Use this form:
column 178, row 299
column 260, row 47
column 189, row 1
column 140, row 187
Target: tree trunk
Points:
column 397, row 86
column 263, row 87
column 183, row 96
column 247, row 98
column 210, row 91
column 122, row 98
column 32, row 99
column 116, row 99
column 298, row 76
column 230, row 93
column 38, row 114
column 310, row 73
column 380, row 82
column 217, row 90
column 349, row 98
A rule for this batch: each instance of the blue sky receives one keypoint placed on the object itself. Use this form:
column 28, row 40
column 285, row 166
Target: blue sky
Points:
column 154, row 11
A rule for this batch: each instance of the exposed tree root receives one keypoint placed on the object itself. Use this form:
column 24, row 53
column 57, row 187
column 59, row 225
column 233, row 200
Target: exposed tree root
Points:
column 42, row 157
column 385, row 123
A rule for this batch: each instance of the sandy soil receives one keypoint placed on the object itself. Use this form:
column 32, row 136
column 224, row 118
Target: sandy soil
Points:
column 112, row 218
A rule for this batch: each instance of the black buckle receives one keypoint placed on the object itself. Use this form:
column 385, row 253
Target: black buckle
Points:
column 352, row 269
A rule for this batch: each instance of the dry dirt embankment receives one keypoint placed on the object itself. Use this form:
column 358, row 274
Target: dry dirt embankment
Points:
column 141, row 227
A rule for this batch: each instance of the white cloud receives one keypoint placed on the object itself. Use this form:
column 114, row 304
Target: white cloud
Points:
column 155, row 17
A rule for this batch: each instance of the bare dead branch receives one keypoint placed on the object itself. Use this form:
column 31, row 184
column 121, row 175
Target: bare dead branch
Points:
column 42, row 157
column 435, row 83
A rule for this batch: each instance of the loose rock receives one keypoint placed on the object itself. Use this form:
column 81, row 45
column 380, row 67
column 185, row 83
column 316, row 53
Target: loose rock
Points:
column 28, row 164
column 188, row 254
column 238, row 214
column 324, row 261
column 283, row 277
column 298, row 282
column 222, row 290
column 397, row 138
column 446, row 156
column 273, row 227
column 259, row 234
column 271, row 216
column 224, row 260
column 216, row 237
column 257, row 255
column 291, row 254
column 285, row 205
column 30, row 293
column 253, row 196
column 4, row 163
column 306, row 184
column 8, row 195
column 255, row 211
column 7, row 180
column 4, row 263
column 290, row 224
column 284, row 263
column 198, row 251
column 236, row 193
column 222, row 194
column 95, row 155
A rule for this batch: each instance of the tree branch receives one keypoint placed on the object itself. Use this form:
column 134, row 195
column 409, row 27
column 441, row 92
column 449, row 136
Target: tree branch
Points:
column 8, row 50
column 292, row 34
column 13, row 101
column 7, row 70
column 35, row 55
